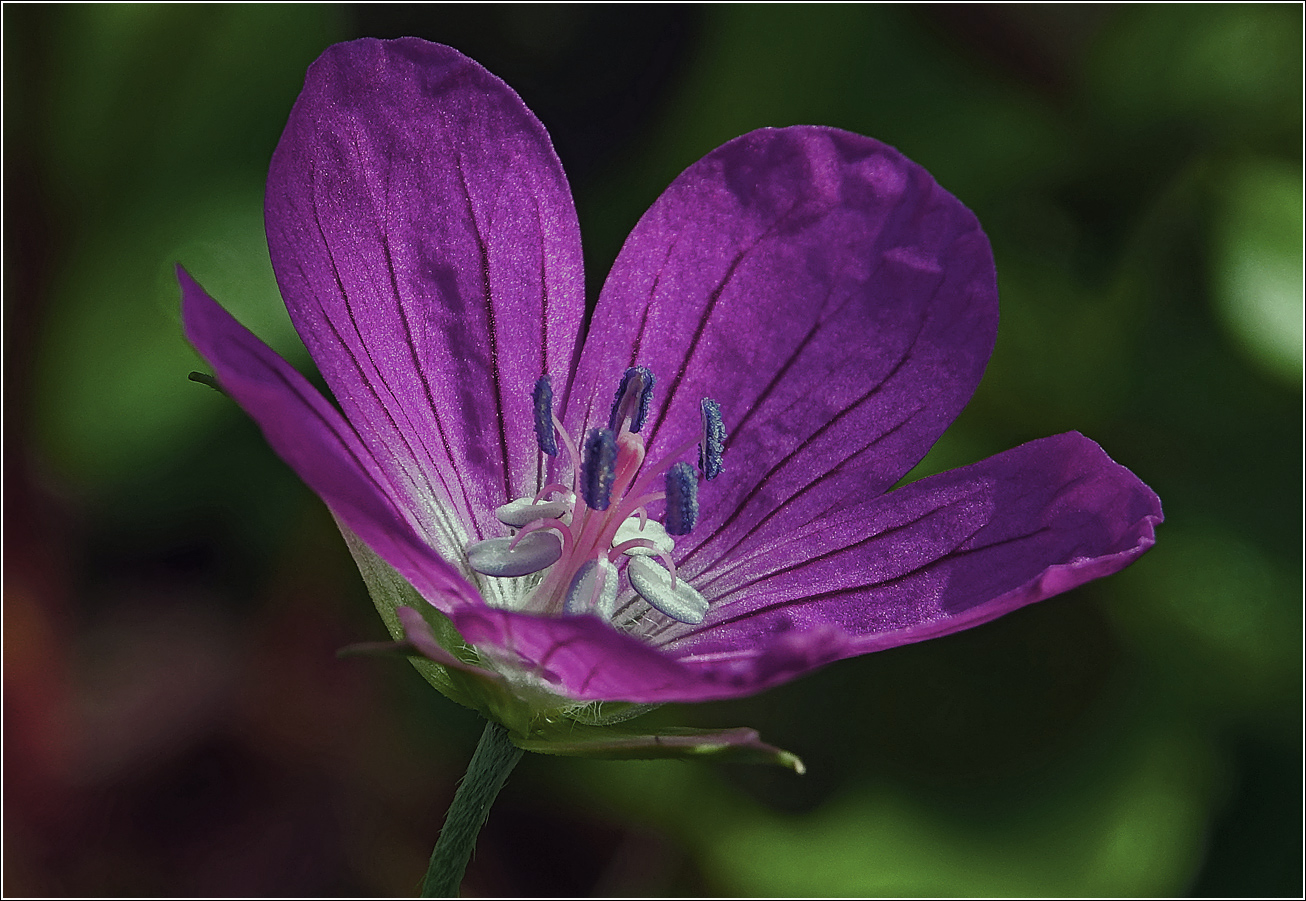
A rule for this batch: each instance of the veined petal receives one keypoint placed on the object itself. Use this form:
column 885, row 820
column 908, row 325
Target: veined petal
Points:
column 837, row 303
column 312, row 436
column 939, row 555
column 934, row 557
column 418, row 633
column 424, row 238
column 583, row 659
column 578, row 657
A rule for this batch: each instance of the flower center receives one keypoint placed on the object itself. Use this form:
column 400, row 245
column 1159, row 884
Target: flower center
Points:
column 577, row 536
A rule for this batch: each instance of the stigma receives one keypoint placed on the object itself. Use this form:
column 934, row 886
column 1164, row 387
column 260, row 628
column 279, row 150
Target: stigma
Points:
column 578, row 542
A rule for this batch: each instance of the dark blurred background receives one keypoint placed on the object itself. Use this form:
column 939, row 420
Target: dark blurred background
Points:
column 175, row 718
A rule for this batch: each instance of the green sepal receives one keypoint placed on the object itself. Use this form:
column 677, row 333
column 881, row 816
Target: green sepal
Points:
column 203, row 378
column 404, row 649
column 389, row 592
column 536, row 721
column 472, row 686
column 571, row 739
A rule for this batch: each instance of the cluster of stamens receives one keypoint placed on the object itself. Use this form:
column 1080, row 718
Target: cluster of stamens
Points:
column 576, row 536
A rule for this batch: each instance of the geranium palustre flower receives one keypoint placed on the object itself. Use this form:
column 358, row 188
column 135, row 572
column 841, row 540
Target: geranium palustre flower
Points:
column 689, row 497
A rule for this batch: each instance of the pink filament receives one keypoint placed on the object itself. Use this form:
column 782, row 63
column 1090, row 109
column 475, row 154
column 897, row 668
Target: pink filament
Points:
column 536, row 525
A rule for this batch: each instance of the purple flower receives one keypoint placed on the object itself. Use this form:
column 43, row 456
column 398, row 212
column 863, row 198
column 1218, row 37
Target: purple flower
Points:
column 549, row 487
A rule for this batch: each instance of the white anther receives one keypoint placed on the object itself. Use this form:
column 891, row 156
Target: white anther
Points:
column 594, row 590
column 524, row 510
column 683, row 603
column 652, row 531
column 534, row 552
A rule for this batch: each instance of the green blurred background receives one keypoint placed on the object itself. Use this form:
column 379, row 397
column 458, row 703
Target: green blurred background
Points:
column 176, row 721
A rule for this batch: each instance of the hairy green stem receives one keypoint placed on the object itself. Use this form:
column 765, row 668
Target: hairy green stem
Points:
column 494, row 759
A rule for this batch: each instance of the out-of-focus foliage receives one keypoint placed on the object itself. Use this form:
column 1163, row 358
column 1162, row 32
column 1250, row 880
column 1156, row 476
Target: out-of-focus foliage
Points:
column 151, row 147
column 1256, row 263
column 176, row 721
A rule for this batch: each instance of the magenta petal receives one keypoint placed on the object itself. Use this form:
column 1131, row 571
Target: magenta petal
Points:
column 578, row 657
column 424, row 238
column 934, row 557
column 319, row 445
column 419, row 634
column 585, row 659
column 837, row 303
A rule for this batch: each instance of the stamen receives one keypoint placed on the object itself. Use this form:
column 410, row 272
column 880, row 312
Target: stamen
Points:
column 523, row 510
column 593, row 590
column 682, row 499
column 714, row 439
column 498, row 557
column 599, row 468
column 633, row 398
column 671, row 568
column 572, row 454
column 543, row 397
column 578, row 550
column 654, row 584
column 635, row 547
column 552, row 488
column 652, row 537
column 564, row 532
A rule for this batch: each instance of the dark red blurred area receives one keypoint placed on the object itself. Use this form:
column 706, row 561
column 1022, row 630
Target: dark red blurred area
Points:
column 170, row 747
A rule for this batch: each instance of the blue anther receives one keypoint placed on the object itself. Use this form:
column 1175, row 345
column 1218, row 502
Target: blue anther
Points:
column 682, row 499
column 544, row 434
column 599, row 468
column 713, row 444
column 634, row 395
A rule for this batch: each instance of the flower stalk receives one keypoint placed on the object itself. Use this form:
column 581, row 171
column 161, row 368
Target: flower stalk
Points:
column 493, row 761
